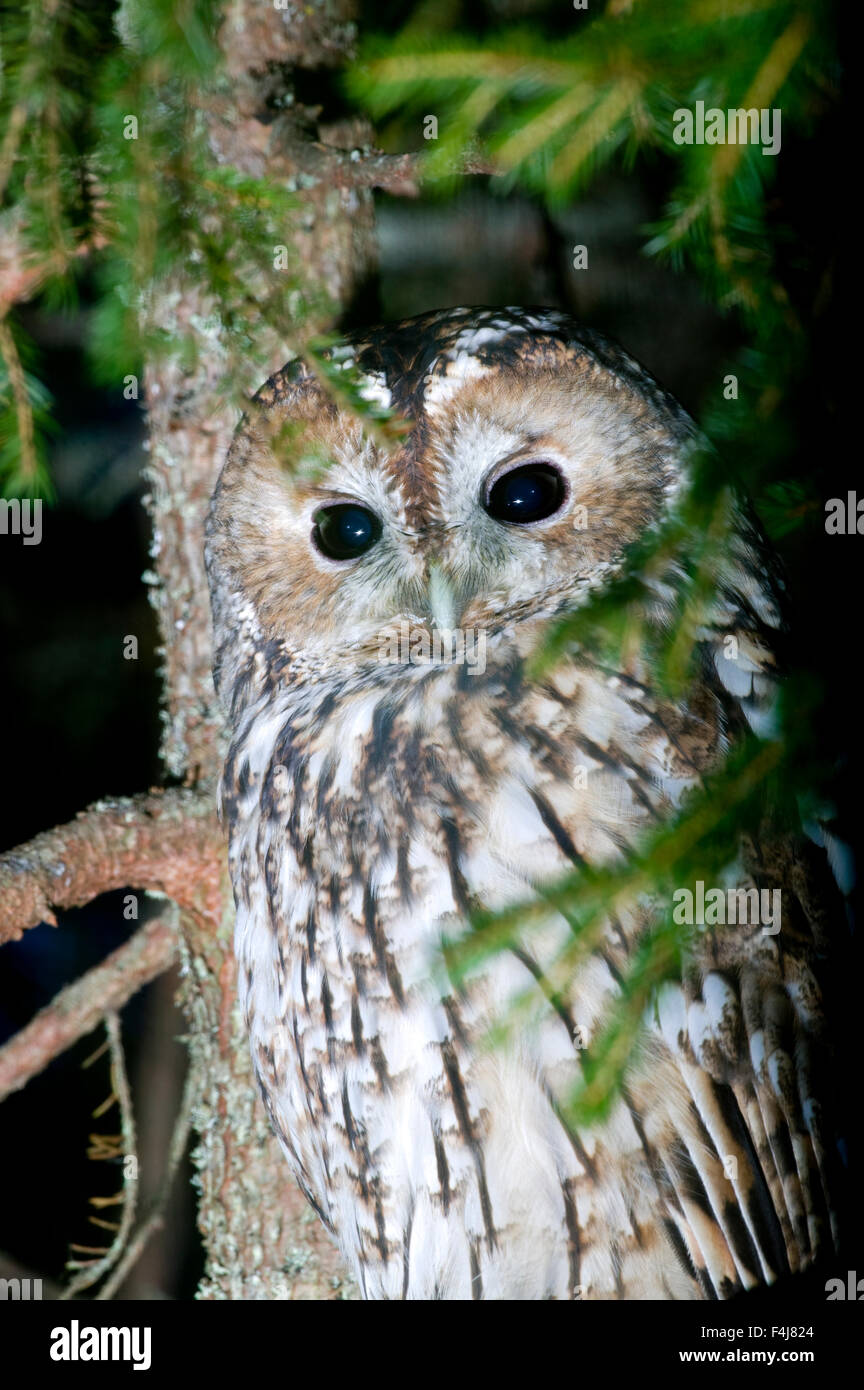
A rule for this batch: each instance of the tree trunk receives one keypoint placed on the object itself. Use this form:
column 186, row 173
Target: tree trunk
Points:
column 261, row 1240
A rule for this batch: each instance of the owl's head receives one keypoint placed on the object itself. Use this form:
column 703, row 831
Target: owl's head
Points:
column 537, row 453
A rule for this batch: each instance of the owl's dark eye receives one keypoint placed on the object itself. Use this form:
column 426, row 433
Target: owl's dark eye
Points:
column 529, row 493
column 345, row 530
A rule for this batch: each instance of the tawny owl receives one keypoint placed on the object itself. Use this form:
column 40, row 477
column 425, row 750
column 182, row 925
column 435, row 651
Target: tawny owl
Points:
column 384, row 780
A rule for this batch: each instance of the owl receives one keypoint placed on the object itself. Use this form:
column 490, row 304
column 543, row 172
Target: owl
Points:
column 396, row 765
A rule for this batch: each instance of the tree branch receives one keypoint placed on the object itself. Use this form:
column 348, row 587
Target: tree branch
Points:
column 154, row 1220
column 90, row 1272
column 164, row 841
column 342, row 158
column 78, row 1008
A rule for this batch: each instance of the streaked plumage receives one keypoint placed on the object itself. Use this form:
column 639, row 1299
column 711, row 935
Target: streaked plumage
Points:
column 372, row 804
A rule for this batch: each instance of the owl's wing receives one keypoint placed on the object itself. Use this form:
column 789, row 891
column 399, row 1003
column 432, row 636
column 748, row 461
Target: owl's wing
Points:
column 748, row 1027
column 747, row 1032
column 730, row 1116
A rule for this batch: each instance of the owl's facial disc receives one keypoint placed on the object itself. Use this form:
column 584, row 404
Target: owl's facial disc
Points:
column 514, row 495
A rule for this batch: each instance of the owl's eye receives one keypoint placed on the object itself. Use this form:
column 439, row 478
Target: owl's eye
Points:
column 529, row 493
column 345, row 530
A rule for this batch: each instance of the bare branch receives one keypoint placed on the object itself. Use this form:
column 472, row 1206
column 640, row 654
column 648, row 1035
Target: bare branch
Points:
column 93, row 1270
column 78, row 1008
column 155, row 1217
column 169, row 842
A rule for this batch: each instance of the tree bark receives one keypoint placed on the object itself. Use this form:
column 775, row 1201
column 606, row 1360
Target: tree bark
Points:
column 261, row 1240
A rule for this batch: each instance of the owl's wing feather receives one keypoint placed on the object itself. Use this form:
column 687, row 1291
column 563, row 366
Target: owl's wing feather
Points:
column 748, row 1051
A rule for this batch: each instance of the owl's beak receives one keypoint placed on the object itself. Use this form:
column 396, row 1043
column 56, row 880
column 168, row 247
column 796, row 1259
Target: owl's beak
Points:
column 441, row 597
